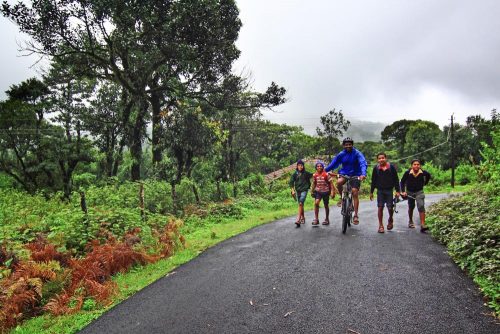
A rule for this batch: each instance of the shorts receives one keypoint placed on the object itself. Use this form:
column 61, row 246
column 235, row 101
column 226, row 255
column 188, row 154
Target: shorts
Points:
column 301, row 196
column 418, row 197
column 324, row 196
column 384, row 196
column 355, row 183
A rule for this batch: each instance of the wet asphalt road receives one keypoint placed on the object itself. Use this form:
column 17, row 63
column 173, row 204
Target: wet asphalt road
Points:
column 280, row 279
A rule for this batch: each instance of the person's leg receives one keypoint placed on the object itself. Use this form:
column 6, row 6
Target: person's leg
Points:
column 355, row 199
column 327, row 209
column 380, row 208
column 303, row 197
column 340, row 184
column 388, row 199
column 316, row 210
column 411, row 206
column 390, row 221
column 420, row 199
column 380, row 214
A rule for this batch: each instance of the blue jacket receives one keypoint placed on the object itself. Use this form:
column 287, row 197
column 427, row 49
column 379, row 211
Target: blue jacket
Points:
column 353, row 163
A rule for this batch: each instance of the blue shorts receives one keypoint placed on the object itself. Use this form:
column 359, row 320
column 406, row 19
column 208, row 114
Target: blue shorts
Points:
column 324, row 196
column 301, row 196
column 384, row 197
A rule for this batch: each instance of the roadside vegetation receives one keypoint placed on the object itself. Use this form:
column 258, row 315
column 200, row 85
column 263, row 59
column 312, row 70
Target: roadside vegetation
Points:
column 139, row 147
column 469, row 226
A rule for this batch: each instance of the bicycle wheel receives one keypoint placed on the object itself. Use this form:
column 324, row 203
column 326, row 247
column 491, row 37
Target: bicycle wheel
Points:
column 345, row 221
column 346, row 215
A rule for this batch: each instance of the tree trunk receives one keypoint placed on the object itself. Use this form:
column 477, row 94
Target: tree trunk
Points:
column 156, row 135
column 136, row 146
column 174, row 197
column 219, row 192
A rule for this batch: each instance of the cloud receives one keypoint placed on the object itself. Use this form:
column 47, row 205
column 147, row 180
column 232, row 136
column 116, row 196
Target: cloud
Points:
column 375, row 60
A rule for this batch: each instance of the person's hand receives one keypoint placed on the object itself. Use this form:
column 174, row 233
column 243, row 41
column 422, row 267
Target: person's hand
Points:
column 312, row 194
column 333, row 174
column 293, row 192
column 362, row 177
column 371, row 196
column 332, row 194
column 397, row 194
column 404, row 194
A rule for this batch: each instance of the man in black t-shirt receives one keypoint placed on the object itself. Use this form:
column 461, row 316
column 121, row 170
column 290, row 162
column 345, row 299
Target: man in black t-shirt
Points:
column 412, row 185
column 384, row 178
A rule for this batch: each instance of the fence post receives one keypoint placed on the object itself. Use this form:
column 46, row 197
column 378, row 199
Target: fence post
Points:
column 141, row 200
column 83, row 202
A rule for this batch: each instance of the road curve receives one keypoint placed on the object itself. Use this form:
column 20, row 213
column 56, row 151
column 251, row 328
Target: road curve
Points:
column 277, row 278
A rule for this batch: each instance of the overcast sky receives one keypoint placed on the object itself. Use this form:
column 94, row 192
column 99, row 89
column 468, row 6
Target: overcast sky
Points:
column 377, row 60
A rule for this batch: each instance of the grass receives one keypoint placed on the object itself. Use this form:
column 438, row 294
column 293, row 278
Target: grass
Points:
column 197, row 240
column 139, row 277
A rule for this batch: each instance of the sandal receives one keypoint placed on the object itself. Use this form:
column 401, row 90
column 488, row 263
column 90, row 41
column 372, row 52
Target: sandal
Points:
column 326, row 222
column 381, row 229
column 315, row 222
column 424, row 229
column 297, row 223
column 355, row 220
column 390, row 224
column 302, row 220
column 411, row 225
column 339, row 203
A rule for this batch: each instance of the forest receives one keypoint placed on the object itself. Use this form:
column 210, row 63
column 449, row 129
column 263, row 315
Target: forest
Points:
column 139, row 135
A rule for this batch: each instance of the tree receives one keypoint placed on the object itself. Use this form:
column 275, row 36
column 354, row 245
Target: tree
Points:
column 23, row 134
column 394, row 135
column 107, row 120
column 334, row 126
column 157, row 51
column 69, row 147
column 188, row 135
column 421, row 136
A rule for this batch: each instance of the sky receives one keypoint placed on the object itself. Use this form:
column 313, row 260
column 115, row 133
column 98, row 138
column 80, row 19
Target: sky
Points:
column 376, row 60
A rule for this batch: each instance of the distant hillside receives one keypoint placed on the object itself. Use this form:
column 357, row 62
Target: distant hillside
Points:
column 362, row 131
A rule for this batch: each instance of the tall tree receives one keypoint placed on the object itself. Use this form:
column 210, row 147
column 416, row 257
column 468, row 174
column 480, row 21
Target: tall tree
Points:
column 23, row 132
column 334, row 125
column 394, row 134
column 423, row 136
column 70, row 147
column 157, row 51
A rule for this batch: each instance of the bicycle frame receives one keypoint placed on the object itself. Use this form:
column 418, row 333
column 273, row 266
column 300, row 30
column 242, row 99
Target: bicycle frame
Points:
column 347, row 202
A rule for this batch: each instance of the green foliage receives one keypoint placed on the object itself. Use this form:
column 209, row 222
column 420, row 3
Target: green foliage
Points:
column 490, row 166
column 469, row 226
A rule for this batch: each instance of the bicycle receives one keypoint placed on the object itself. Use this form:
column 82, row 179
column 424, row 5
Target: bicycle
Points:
column 400, row 199
column 347, row 202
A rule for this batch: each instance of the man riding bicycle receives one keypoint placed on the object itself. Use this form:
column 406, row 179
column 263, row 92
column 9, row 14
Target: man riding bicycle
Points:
column 353, row 164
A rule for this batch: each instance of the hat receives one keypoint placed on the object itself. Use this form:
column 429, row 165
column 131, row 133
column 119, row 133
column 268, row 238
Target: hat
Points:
column 320, row 163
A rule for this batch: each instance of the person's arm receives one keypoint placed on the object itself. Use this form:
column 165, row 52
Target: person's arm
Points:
column 291, row 183
column 362, row 164
column 332, row 188
column 395, row 179
column 335, row 163
column 403, row 182
column 427, row 177
column 374, row 181
column 313, row 186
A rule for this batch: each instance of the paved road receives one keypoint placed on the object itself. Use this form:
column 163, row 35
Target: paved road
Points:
column 280, row 279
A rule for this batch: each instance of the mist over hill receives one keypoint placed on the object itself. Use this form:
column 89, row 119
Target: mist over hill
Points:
column 362, row 131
